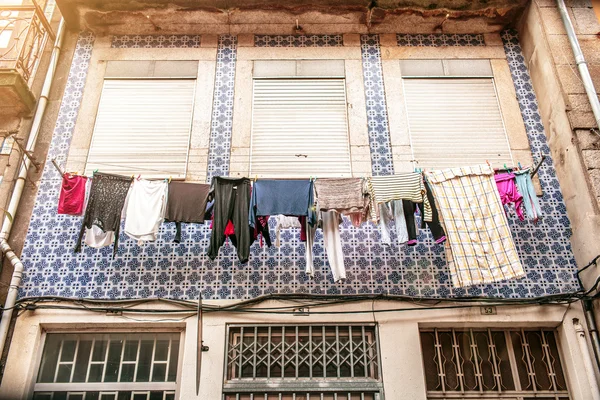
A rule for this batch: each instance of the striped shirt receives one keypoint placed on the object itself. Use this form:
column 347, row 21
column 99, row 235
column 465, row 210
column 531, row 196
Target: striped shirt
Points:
column 405, row 186
column 480, row 247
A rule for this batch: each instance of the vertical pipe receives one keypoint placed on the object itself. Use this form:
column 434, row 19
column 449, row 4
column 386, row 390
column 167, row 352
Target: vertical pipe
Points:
column 586, row 78
column 592, row 327
column 587, row 359
column 15, row 282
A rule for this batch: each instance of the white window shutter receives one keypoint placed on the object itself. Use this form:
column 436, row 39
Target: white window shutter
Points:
column 455, row 122
column 143, row 128
column 300, row 128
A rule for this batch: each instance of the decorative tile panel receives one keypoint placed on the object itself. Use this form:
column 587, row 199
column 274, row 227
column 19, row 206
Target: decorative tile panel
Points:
column 155, row 41
column 298, row 41
column 219, row 149
column 377, row 119
column 183, row 271
column 439, row 40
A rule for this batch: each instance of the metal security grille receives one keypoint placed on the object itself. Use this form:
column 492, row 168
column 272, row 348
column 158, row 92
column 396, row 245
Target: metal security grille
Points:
column 140, row 366
column 302, row 362
column 492, row 364
column 300, row 128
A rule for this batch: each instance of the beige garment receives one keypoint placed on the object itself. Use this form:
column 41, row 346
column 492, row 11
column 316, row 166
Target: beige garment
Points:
column 480, row 247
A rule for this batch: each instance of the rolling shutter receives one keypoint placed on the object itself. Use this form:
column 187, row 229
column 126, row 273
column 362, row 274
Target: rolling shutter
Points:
column 455, row 122
column 143, row 127
column 300, row 128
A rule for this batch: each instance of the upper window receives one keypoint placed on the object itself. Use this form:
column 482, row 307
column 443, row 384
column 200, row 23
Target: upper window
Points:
column 141, row 366
column 492, row 364
column 299, row 120
column 452, row 104
column 307, row 362
column 144, row 119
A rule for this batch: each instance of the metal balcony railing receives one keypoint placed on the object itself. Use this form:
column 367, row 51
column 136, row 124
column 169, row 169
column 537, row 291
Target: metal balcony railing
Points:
column 24, row 30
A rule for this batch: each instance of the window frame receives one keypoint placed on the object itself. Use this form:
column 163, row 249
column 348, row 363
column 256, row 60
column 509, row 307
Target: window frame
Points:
column 518, row 393
column 449, row 76
column 149, row 173
column 347, row 125
column 97, row 386
column 237, row 386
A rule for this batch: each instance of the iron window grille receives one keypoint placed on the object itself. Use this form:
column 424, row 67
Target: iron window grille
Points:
column 492, row 364
column 308, row 362
column 108, row 366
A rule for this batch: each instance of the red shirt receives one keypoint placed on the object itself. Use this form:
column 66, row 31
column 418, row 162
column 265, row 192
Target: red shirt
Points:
column 72, row 195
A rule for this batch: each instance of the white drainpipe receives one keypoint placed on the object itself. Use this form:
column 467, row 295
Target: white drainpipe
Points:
column 15, row 198
column 587, row 359
column 586, row 78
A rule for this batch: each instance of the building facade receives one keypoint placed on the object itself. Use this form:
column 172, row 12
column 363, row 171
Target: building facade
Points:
column 363, row 90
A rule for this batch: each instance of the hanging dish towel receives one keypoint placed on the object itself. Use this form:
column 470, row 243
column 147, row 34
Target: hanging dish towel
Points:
column 480, row 247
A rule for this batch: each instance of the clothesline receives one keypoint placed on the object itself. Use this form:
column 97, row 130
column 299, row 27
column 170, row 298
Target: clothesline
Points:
column 470, row 199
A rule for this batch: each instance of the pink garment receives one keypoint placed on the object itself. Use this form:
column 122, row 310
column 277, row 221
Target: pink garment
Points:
column 509, row 192
column 72, row 195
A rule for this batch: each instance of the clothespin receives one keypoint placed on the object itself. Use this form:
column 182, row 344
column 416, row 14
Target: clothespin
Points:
column 520, row 168
column 139, row 176
column 488, row 163
column 170, row 179
column 505, row 167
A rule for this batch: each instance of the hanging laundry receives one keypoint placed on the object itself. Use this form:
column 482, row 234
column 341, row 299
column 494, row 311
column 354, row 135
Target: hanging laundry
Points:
column 530, row 199
column 435, row 226
column 145, row 209
column 480, row 246
column 107, row 197
column 284, row 222
column 71, row 200
column 344, row 195
column 329, row 221
column 405, row 186
column 393, row 212
column 293, row 197
column 232, row 203
column 97, row 238
column 186, row 203
column 509, row 192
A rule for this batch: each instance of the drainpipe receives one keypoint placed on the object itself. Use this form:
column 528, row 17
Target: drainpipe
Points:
column 590, row 320
column 580, row 60
column 15, row 281
column 587, row 359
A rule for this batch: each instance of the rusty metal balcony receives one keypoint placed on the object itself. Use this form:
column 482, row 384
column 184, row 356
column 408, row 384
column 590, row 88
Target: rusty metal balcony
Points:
column 24, row 31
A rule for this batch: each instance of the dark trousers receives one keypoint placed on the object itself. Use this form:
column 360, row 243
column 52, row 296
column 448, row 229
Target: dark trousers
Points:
column 434, row 226
column 232, row 202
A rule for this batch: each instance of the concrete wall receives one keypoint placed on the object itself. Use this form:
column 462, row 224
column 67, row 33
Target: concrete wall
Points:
column 402, row 365
column 573, row 136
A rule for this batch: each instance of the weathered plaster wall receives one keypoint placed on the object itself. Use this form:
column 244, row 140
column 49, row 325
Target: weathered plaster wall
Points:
column 572, row 135
column 402, row 365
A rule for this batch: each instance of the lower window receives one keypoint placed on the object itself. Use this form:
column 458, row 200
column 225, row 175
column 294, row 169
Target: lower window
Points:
column 520, row 364
column 302, row 362
column 108, row 366
column 303, row 396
